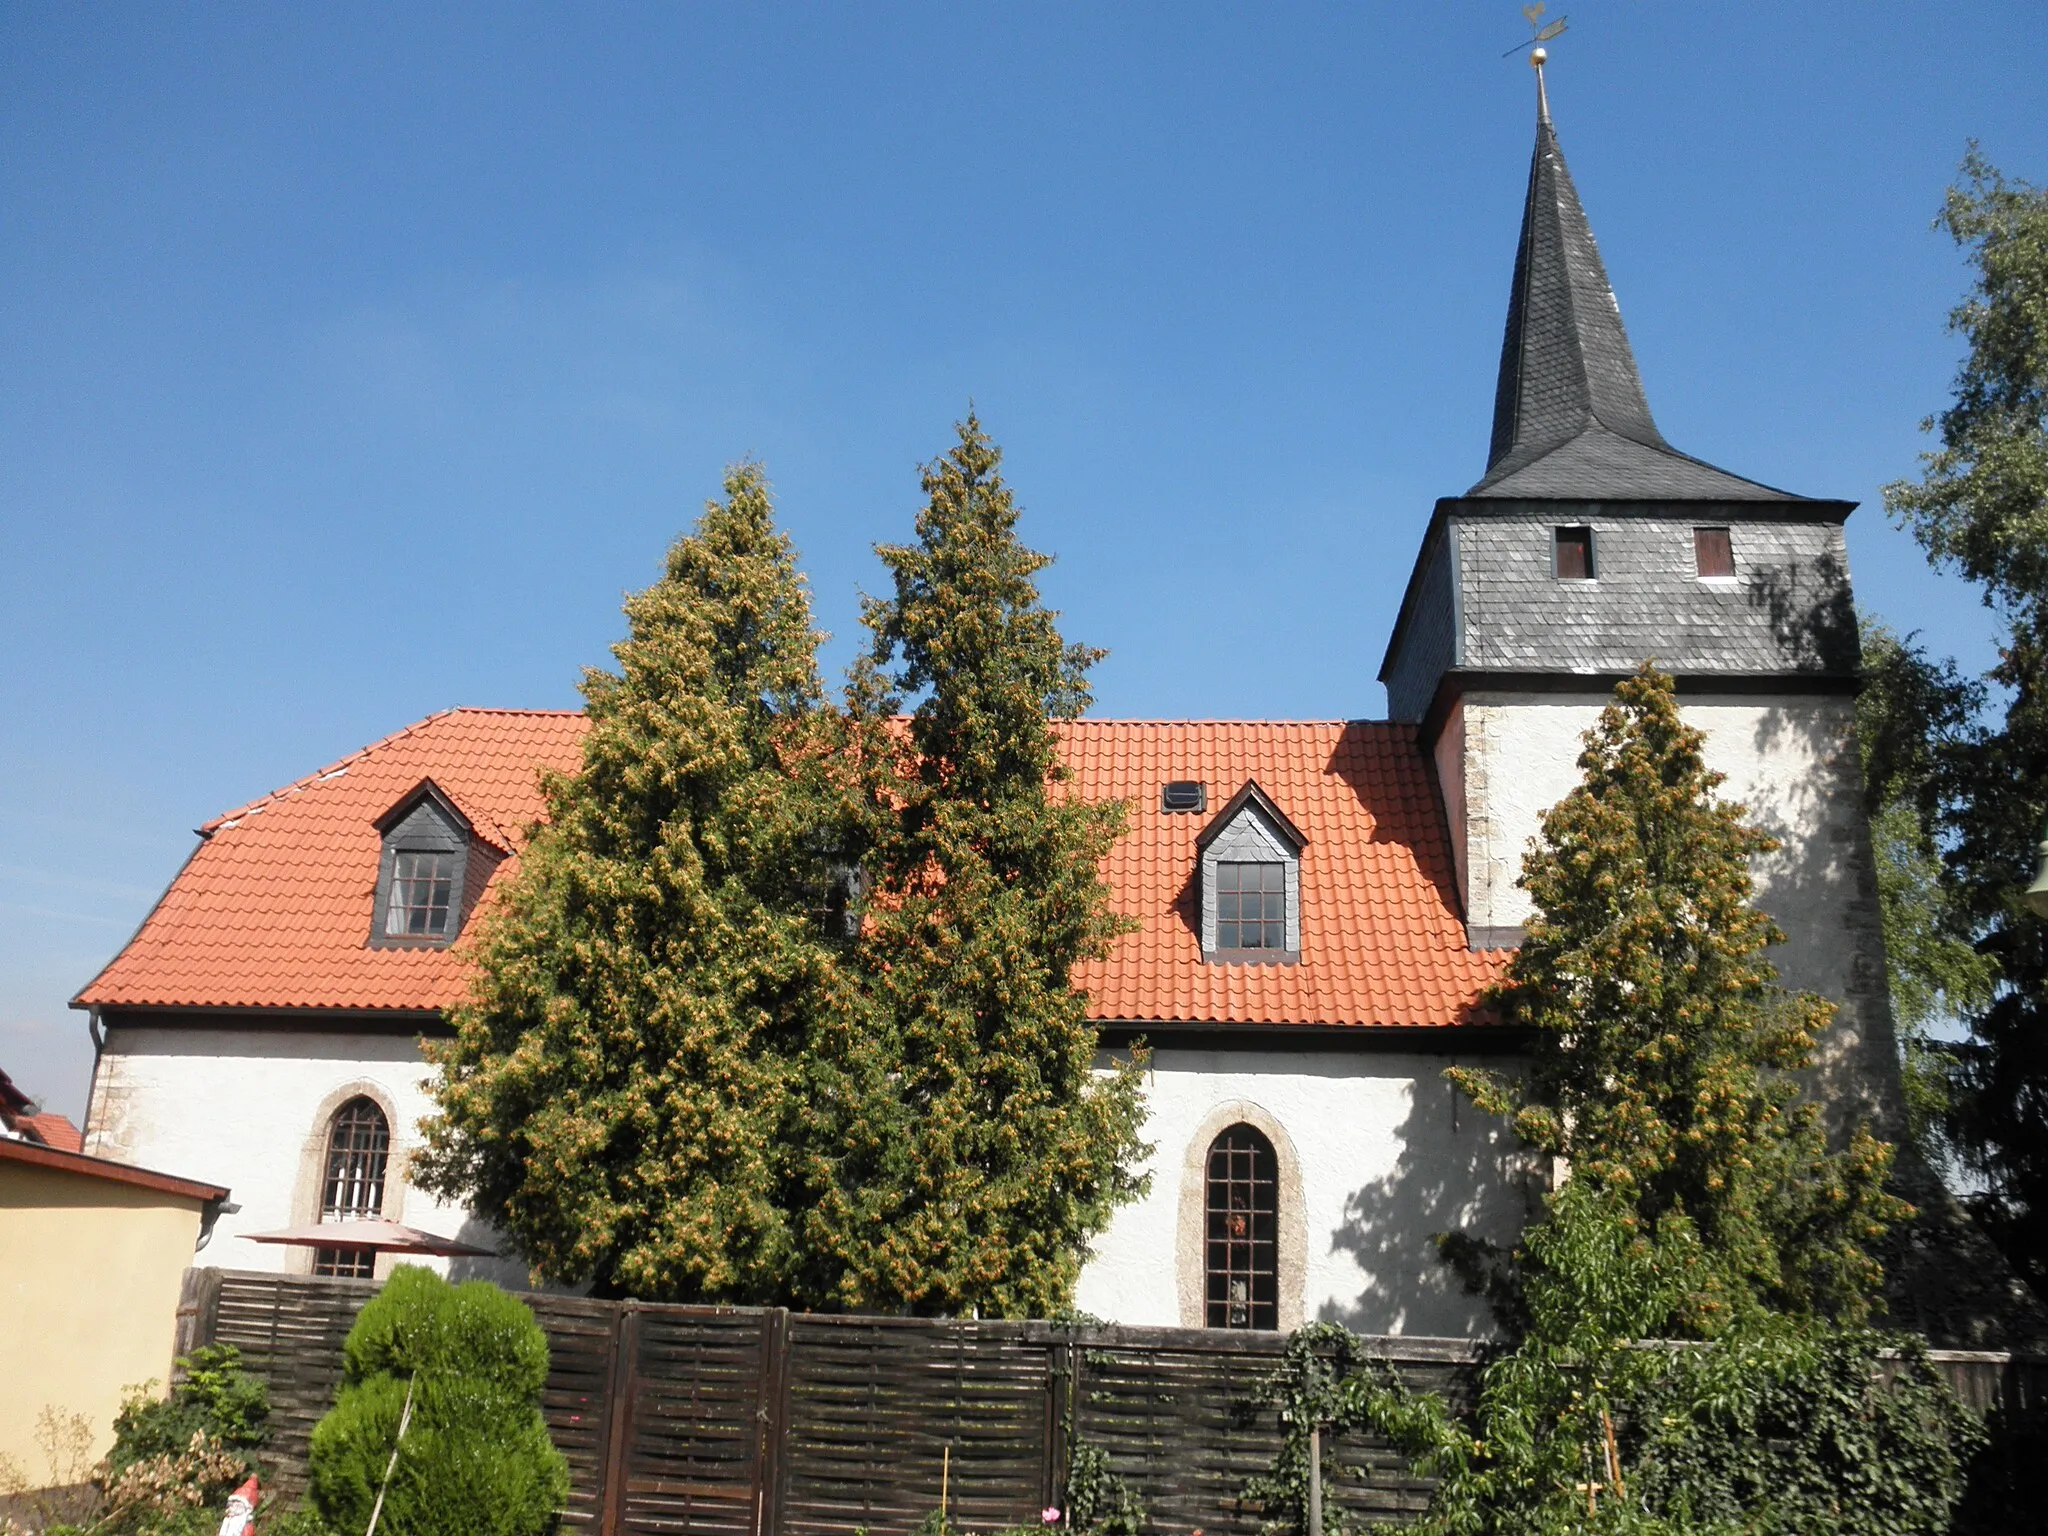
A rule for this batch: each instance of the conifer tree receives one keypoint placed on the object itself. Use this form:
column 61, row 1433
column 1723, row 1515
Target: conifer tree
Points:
column 1000, row 1151
column 657, row 1004
column 1665, row 1054
column 1700, row 1201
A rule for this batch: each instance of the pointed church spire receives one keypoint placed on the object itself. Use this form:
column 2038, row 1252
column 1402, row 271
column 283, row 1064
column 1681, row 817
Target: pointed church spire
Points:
column 1569, row 415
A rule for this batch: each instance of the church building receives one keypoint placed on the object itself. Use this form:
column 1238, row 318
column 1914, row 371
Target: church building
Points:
column 1319, row 905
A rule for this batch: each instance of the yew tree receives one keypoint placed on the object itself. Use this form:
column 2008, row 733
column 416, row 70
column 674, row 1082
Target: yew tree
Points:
column 1000, row 1150
column 1666, row 1056
column 660, row 999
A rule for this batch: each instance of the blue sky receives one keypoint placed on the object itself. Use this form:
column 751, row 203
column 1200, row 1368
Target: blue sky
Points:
column 357, row 359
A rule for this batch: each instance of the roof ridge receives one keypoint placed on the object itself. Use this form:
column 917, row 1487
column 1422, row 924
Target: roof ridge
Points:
column 500, row 709
column 339, row 765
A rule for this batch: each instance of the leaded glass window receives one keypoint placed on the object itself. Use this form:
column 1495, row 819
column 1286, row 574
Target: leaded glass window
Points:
column 352, row 1182
column 1242, row 1210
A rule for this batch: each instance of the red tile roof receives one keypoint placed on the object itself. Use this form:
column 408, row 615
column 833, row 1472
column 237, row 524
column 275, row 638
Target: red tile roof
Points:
column 52, row 1130
column 273, row 909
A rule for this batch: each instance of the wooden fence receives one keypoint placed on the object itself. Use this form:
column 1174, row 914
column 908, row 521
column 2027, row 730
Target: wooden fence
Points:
column 761, row 1422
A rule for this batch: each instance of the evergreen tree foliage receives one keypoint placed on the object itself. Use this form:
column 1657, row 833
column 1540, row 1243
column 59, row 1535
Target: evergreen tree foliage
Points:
column 1981, row 509
column 975, row 1187
column 1687, row 1348
column 1663, row 1068
column 661, row 999
column 1909, row 712
column 474, row 1457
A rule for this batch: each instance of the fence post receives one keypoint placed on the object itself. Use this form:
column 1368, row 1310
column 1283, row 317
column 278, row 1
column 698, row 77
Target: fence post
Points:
column 618, row 1449
column 1059, row 1414
column 198, row 1311
column 771, row 1422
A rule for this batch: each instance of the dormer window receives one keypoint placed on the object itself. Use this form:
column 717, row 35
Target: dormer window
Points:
column 421, row 885
column 1251, row 883
column 433, row 868
column 1251, row 905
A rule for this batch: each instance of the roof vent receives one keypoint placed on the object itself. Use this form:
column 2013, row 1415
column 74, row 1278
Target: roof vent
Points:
column 1184, row 795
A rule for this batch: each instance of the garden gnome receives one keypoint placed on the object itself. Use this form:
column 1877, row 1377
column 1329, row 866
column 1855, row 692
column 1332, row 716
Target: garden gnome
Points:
column 241, row 1510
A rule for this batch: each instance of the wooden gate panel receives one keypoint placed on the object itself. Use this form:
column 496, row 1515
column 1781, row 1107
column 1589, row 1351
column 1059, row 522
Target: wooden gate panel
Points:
column 884, row 1411
column 695, row 1440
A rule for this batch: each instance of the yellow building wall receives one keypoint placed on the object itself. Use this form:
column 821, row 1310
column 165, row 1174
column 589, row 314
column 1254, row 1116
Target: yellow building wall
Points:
column 89, row 1278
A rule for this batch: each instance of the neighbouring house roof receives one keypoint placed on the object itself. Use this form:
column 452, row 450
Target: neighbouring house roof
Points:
column 37, row 1156
column 1570, row 419
column 20, row 1118
column 273, row 910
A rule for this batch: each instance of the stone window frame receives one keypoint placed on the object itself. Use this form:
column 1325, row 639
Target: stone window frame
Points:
column 310, row 1188
column 426, row 820
column 1191, row 1262
column 1251, row 828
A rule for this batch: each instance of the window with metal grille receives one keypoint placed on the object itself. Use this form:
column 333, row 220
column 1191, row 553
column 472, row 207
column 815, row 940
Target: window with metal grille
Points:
column 1713, row 552
column 346, row 1263
column 1251, row 906
column 352, row 1185
column 1574, row 554
column 420, row 888
column 1243, row 1211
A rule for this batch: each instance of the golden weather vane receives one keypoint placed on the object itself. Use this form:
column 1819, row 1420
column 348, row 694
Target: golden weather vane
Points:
column 1541, row 32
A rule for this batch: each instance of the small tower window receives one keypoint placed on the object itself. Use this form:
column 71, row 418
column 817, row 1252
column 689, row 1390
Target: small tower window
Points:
column 1713, row 552
column 352, row 1183
column 1251, row 905
column 1242, row 1211
column 1574, row 554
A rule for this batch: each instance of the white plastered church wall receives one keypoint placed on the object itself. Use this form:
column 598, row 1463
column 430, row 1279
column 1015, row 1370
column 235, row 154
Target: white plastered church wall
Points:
column 1792, row 760
column 249, row 1109
column 1386, row 1155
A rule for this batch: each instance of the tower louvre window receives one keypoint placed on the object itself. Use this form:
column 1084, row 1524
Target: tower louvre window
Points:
column 1574, row 559
column 1713, row 552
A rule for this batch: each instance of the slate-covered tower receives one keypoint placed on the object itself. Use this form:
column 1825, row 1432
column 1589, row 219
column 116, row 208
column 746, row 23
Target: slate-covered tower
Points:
column 1591, row 544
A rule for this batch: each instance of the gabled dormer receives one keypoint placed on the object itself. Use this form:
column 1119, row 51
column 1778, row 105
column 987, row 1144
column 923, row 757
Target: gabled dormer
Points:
column 1251, row 882
column 433, row 866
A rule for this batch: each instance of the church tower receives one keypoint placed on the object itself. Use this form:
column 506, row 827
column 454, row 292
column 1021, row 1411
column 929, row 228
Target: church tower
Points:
column 1591, row 544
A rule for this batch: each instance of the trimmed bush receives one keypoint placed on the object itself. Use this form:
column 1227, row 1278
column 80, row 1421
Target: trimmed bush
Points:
column 475, row 1459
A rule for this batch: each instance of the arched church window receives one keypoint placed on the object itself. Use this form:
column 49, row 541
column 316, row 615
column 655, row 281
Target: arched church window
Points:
column 352, row 1182
column 1243, row 1216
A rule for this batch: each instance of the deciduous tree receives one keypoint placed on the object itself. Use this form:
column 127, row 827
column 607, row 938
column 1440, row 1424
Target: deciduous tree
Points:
column 1981, row 508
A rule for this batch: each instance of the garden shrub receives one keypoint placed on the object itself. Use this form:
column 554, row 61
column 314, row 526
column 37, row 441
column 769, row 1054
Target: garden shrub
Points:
column 475, row 1459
